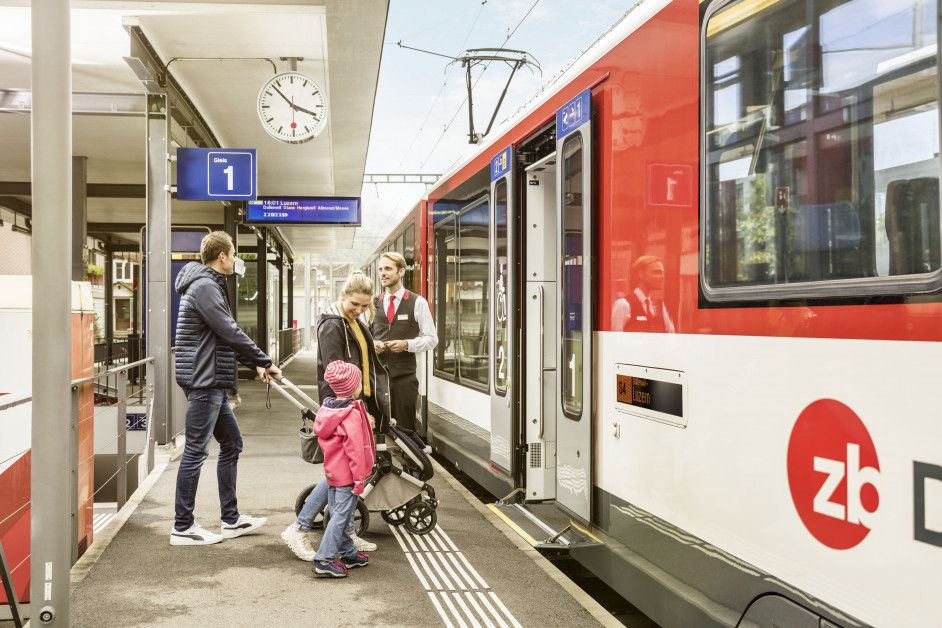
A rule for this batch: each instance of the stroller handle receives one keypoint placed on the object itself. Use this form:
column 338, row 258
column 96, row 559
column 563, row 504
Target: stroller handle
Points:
column 312, row 405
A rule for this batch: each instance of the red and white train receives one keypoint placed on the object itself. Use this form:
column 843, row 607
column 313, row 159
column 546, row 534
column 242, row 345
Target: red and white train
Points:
column 692, row 296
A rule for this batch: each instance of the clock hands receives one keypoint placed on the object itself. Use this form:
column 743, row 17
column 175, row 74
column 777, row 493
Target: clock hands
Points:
column 291, row 102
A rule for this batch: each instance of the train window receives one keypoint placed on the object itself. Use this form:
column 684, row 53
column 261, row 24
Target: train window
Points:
column 572, row 323
column 473, row 271
column 501, row 290
column 821, row 165
column 408, row 251
column 446, row 299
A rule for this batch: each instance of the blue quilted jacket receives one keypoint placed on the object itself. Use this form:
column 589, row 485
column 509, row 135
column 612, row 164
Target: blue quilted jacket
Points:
column 209, row 340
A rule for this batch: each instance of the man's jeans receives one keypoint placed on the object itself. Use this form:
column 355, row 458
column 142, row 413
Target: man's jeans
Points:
column 208, row 414
column 315, row 503
column 335, row 541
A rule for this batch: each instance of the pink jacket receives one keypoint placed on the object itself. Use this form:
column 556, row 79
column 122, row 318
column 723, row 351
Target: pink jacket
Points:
column 346, row 439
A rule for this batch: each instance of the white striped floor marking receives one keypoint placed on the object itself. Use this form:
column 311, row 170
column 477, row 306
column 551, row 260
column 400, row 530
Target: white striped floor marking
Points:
column 457, row 591
column 100, row 520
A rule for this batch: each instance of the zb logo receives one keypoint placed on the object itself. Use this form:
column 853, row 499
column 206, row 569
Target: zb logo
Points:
column 833, row 474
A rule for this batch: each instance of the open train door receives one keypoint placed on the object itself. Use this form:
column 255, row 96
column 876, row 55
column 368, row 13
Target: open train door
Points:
column 575, row 299
column 501, row 313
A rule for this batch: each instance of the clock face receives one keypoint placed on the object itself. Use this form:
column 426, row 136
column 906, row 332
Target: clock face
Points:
column 292, row 108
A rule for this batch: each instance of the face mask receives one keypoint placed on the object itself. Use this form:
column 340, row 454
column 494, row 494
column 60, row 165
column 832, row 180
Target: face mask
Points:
column 238, row 267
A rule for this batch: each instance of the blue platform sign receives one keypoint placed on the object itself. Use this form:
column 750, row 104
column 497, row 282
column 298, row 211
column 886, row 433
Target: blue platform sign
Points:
column 216, row 174
column 574, row 114
column 305, row 210
column 500, row 165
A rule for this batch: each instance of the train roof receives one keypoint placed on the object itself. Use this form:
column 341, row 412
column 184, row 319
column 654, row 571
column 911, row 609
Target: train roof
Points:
column 631, row 21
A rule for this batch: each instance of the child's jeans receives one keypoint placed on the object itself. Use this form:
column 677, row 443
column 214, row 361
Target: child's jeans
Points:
column 314, row 504
column 336, row 541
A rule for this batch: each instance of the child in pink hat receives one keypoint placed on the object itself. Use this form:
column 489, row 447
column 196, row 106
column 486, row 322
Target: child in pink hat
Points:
column 344, row 434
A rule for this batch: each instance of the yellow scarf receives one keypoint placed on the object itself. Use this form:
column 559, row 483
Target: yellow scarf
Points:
column 364, row 351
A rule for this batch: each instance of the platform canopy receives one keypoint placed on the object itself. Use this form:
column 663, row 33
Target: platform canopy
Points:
column 338, row 43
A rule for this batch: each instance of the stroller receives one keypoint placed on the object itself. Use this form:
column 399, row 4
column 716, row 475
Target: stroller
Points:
column 398, row 488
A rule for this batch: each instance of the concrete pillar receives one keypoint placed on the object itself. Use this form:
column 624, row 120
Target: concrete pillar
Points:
column 157, row 256
column 230, row 212
column 306, row 315
column 51, row 482
column 290, row 282
column 262, row 301
column 109, row 301
column 79, row 216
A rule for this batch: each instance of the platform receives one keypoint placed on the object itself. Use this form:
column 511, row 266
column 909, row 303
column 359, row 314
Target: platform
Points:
column 469, row 572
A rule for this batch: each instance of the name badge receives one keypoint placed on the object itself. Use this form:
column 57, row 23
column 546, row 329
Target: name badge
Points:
column 403, row 317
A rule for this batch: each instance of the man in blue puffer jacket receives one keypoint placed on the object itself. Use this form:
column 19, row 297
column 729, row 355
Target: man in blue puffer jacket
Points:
column 208, row 343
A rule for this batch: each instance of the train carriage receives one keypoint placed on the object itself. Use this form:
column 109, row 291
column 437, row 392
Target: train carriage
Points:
column 690, row 296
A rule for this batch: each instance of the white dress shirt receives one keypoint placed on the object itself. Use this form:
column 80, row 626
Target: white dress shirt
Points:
column 428, row 337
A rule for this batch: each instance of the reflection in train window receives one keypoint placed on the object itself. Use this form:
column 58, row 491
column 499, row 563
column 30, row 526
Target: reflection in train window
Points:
column 473, row 267
column 501, row 292
column 822, row 143
column 411, row 278
column 572, row 294
column 446, row 304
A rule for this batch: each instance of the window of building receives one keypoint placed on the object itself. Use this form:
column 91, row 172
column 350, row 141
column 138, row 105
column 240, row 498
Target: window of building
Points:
column 821, row 166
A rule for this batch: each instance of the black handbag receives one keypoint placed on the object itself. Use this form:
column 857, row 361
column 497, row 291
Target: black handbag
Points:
column 310, row 448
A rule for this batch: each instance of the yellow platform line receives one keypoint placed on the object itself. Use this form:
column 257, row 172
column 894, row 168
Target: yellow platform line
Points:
column 586, row 532
column 529, row 539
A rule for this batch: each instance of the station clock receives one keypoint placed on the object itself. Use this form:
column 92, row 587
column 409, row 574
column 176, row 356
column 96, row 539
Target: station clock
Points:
column 292, row 108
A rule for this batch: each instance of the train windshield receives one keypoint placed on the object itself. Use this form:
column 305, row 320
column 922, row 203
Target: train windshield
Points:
column 821, row 163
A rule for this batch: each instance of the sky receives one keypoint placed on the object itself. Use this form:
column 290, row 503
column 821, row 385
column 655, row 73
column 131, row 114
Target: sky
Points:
column 419, row 94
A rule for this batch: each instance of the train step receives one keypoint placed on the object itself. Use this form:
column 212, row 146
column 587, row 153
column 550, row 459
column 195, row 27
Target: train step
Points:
column 544, row 525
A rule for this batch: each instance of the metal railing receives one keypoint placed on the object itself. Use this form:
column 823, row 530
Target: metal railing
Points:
column 289, row 343
column 119, row 399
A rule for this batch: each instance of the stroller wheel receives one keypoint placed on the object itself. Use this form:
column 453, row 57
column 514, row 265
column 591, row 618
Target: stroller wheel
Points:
column 420, row 518
column 396, row 516
column 361, row 518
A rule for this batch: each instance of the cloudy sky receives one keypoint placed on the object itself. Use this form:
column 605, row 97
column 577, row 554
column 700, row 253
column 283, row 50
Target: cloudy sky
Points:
column 420, row 121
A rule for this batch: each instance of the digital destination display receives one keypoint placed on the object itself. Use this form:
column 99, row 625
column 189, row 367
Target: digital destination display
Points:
column 305, row 210
column 650, row 394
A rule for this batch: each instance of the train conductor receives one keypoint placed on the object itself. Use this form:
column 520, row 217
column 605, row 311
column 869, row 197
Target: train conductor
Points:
column 402, row 327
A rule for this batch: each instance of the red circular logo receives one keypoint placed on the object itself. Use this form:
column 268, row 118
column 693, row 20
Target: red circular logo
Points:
column 833, row 473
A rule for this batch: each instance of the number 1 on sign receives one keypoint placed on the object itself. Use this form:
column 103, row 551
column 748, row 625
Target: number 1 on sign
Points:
column 228, row 172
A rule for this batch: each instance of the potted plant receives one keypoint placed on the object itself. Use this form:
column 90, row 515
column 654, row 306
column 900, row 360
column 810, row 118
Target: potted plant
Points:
column 95, row 274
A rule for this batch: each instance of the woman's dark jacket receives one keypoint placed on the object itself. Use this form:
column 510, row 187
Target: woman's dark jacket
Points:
column 335, row 341
column 208, row 340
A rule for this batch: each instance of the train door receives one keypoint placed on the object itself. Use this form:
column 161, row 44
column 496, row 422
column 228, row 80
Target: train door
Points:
column 541, row 329
column 502, row 312
column 575, row 299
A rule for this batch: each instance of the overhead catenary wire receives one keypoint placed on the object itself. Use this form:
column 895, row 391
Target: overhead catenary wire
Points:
column 463, row 102
column 442, row 88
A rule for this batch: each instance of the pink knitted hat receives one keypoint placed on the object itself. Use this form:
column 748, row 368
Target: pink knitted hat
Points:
column 343, row 377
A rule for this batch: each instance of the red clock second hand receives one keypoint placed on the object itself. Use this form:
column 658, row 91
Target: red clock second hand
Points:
column 294, row 124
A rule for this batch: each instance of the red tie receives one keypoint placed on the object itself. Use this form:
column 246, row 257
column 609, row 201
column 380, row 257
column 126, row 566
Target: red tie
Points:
column 391, row 310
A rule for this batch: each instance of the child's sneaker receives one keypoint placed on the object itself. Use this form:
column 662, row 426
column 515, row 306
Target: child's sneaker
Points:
column 330, row 568
column 357, row 560
column 298, row 542
column 362, row 545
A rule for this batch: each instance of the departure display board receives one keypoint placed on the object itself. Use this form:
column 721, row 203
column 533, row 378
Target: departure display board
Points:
column 305, row 210
column 650, row 394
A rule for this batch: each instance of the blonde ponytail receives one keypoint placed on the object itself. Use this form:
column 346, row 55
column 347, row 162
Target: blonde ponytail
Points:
column 358, row 283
